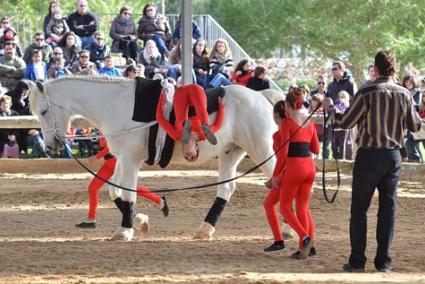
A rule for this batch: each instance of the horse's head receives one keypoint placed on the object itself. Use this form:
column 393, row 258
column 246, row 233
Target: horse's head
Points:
column 52, row 117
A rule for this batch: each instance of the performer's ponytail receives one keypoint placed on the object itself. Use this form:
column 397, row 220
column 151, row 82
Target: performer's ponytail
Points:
column 295, row 98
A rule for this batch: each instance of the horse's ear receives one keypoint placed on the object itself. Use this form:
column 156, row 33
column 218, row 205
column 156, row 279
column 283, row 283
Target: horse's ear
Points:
column 40, row 86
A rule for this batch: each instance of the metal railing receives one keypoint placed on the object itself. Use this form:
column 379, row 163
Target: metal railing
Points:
column 210, row 29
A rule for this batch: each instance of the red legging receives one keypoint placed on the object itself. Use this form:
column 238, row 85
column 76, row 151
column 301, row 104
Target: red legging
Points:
column 296, row 184
column 270, row 202
column 106, row 172
column 186, row 96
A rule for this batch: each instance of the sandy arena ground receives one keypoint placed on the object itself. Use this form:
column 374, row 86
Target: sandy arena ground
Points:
column 40, row 244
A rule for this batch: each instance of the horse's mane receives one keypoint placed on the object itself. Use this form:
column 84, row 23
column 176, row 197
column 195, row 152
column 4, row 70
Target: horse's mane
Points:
column 91, row 78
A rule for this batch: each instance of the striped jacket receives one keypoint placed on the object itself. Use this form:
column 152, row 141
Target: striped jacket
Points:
column 383, row 111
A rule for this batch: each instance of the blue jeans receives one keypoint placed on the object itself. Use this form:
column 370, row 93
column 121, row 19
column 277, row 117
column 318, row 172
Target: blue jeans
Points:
column 86, row 41
column 220, row 80
column 173, row 72
column 374, row 168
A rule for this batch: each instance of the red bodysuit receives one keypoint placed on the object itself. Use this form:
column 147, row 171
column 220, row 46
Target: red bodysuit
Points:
column 272, row 197
column 298, row 176
column 185, row 97
column 106, row 172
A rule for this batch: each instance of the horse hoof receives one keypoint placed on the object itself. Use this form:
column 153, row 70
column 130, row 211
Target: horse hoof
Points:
column 123, row 234
column 205, row 232
column 141, row 223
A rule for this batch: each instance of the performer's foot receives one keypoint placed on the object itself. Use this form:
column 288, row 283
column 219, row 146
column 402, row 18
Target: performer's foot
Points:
column 87, row 224
column 186, row 131
column 348, row 268
column 312, row 253
column 307, row 245
column 295, row 255
column 208, row 134
column 277, row 245
column 165, row 208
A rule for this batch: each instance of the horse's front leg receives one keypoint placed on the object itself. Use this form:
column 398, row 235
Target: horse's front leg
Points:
column 228, row 162
column 127, row 177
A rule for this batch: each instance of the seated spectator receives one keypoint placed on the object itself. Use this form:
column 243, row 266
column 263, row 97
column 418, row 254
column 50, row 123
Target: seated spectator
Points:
column 99, row 50
column 124, row 34
column 12, row 68
column 153, row 26
column 201, row 62
column 54, row 6
column 133, row 71
column 84, row 24
column 9, row 34
column 177, row 33
column 8, row 146
column 57, row 53
column 150, row 57
column 259, row 81
column 71, row 48
column 36, row 70
column 58, row 69
column 83, row 66
column 56, row 29
column 242, row 73
column 175, row 62
column 109, row 69
column 40, row 44
column 221, row 64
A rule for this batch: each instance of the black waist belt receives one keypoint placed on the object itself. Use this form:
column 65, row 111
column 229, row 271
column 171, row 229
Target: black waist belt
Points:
column 299, row 149
column 108, row 156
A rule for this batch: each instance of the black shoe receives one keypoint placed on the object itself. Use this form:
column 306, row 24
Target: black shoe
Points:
column 87, row 225
column 307, row 245
column 165, row 209
column 348, row 268
column 312, row 252
column 186, row 131
column 208, row 134
column 277, row 245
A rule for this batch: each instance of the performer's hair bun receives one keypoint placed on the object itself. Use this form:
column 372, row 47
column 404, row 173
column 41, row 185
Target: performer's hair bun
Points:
column 295, row 98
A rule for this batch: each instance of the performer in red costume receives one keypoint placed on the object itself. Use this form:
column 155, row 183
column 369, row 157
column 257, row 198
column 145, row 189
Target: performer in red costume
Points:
column 106, row 172
column 272, row 197
column 299, row 172
column 185, row 97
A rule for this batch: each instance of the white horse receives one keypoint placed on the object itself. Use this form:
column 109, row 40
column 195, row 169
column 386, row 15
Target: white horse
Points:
column 108, row 103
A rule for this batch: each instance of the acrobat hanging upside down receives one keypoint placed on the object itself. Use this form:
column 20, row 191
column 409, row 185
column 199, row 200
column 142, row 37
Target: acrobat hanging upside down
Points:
column 185, row 126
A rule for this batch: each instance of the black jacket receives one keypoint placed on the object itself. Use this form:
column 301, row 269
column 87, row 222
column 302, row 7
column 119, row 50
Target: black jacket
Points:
column 258, row 84
column 345, row 84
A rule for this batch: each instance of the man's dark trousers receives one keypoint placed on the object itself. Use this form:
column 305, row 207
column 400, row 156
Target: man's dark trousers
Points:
column 374, row 168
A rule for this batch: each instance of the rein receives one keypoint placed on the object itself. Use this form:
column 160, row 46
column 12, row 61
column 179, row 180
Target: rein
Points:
column 164, row 190
column 326, row 118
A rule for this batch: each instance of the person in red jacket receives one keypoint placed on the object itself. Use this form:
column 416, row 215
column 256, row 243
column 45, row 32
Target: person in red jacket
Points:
column 106, row 172
column 299, row 171
column 242, row 73
column 272, row 197
column 184, row 97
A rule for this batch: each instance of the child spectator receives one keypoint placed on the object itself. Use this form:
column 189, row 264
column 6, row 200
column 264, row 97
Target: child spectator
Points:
column 58, row 69
column 150, row 57
column 259, row 81
column 36, row 70
column 242, row 73
column 56, row 29
column 8, row 146
column 109, row 69
column 221, row 64
column 342, row 141
column 133, row 71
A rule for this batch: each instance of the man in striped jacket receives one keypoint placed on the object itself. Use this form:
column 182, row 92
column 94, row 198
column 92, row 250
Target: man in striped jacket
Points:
column 382, row 111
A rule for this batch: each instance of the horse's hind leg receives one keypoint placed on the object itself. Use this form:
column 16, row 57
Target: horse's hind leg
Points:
column 127, row 174
column 227, row 165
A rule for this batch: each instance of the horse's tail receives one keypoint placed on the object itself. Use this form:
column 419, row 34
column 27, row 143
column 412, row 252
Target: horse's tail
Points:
column 272, row 95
